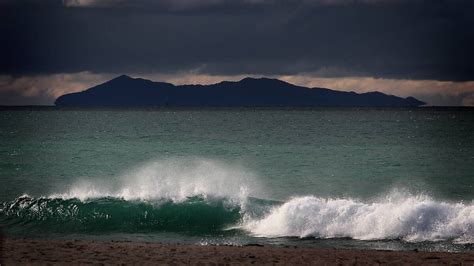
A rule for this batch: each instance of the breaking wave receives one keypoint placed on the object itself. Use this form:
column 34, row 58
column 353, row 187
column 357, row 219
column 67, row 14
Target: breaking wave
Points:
column 205, row 197
column 397, row 216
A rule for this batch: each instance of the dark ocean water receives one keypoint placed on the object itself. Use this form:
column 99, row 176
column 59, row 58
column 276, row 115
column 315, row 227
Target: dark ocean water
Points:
column 354, row 178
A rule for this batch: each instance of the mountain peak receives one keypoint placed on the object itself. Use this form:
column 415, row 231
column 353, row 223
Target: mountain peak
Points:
column 262, row 80
column 122, row 77
column 249, row 79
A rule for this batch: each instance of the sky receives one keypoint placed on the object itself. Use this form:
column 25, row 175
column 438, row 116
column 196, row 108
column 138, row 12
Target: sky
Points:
column 420, row 48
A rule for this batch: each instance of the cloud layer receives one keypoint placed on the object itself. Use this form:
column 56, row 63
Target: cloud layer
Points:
column 388, row 39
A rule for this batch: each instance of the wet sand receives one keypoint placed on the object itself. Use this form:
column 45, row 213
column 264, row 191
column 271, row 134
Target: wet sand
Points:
column 28, row 251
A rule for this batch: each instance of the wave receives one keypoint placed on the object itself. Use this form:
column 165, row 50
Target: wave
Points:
column 205, row 197
column 411, row 219
column 195, row 215
column 182, row 194
column 397, row 216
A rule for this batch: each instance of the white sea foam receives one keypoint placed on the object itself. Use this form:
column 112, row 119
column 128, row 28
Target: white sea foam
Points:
column 171, row 179
column 397, row 216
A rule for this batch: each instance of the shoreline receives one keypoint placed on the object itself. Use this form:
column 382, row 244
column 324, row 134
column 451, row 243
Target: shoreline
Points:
column 33, row 251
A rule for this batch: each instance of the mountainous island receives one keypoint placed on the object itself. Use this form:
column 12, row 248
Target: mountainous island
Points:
column 124, row 91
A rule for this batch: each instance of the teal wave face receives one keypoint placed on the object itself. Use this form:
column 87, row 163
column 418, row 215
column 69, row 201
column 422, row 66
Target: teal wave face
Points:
column 195, row 215
column 398, row 216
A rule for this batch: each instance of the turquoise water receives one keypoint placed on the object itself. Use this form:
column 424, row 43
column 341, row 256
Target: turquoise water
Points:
column 358, row 178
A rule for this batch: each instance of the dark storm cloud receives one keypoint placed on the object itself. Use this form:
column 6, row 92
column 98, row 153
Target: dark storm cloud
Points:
column 379, row 38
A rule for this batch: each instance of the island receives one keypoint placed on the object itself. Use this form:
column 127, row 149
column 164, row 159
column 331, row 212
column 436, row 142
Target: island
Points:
column 125, row 91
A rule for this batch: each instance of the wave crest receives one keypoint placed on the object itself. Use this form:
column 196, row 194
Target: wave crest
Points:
column 172, row 179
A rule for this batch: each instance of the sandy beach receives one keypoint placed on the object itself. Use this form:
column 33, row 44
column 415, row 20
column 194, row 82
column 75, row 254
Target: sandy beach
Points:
column 27, row 251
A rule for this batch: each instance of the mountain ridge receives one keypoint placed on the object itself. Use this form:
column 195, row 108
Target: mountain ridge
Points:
column 249, row 92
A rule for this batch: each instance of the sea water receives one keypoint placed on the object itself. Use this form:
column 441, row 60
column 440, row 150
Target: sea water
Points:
column 346, row 178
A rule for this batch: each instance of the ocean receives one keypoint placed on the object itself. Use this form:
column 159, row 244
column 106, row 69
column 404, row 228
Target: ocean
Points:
column 366, row 178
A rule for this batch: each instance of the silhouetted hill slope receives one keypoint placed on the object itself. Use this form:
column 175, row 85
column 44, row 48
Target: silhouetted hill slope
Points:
column 127, row 91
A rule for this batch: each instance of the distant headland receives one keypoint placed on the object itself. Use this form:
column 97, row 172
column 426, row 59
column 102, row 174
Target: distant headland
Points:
column 124, row 91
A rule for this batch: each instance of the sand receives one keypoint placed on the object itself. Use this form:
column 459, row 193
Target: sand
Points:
column 29, row 251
